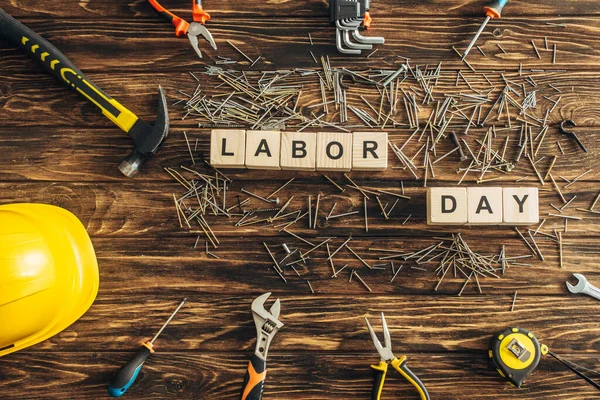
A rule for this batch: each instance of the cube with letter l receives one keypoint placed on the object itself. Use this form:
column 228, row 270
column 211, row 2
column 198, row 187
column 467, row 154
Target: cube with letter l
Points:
column 227, row 148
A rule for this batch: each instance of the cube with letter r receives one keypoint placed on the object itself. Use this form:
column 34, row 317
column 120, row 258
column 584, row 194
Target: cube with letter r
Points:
column 369, row 151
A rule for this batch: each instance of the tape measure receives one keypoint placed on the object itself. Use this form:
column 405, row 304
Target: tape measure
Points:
column 515, row 353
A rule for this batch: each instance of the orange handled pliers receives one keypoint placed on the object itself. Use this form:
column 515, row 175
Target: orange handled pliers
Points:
column 192, row 30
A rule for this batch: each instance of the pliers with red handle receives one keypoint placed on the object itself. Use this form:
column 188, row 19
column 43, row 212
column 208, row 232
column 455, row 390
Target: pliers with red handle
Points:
column 192, row 30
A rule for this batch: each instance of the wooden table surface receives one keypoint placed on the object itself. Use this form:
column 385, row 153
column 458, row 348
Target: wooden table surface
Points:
column 57, row 149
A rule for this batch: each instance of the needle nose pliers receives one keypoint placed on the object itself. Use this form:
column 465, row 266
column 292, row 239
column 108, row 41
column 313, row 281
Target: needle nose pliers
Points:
column 387, row 357
column 192, row 30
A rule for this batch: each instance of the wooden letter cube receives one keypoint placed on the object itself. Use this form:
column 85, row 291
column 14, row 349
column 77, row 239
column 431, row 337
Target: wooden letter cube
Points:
column 521, row 206
column 227, row 148
column 446, row 206
column 334, row 151
column 262, row 149
column 484, row 205
column 369, row 151
column 298, row 151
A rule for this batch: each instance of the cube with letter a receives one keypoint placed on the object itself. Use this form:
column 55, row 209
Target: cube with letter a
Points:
column 262, row 149
column 298, row 151
column 334, row 151
column 446, row 206
column 521, row 206
column 227, row 148
column 369, row 151
column 484, row 205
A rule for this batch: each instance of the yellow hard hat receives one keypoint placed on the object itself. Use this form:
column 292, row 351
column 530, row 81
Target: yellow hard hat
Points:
column 48, row 273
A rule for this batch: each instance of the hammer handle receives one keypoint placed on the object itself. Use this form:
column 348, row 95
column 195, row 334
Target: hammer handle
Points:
column 58, row 65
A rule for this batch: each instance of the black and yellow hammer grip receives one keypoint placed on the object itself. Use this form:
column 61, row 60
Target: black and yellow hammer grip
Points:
column 254, row 381
column 58, row 65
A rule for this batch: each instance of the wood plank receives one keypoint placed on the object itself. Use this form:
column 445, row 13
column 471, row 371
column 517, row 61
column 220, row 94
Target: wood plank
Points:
column 227, row 9
column 121, row 209
column 420, row 324
column 147, row 44
column 244, row 266
column 189, row 375
column 92, row 154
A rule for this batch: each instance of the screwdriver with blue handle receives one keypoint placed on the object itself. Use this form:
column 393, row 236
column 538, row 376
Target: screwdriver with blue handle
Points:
column 128, row 374
column 492, row 10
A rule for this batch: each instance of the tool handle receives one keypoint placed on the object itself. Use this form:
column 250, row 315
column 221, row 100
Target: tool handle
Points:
column 400, row 366
column 129, row 373
column 198, row 13
column 181, row 25
column 379, row 380
column 58, row 65
column 494, row 8
column 254, row 380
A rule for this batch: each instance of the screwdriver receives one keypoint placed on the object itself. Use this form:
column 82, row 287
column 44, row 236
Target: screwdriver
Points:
column 492, row 10
column 128, row 374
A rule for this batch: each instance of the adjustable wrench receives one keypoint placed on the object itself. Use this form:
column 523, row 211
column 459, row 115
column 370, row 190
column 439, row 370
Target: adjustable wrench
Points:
column 267, row 325
column 584, row 287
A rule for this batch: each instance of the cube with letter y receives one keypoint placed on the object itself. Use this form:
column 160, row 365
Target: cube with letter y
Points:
column 446, row 206
column 521, row 206
column 369, row 151
column 484, row 205
column 262, row 149
column 227, row 148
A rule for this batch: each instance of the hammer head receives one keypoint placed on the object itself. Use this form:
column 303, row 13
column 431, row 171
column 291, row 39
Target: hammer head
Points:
column 147, row 139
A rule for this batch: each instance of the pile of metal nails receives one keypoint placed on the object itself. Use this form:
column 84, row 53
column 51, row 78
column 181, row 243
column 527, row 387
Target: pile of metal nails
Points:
column 513, row 123
column 454, row 257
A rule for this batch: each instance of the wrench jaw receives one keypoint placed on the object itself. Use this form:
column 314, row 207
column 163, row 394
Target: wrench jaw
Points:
column 580, row 286
column 267, row 324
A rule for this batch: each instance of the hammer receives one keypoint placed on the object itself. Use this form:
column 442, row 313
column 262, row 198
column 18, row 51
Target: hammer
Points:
column 146, row 138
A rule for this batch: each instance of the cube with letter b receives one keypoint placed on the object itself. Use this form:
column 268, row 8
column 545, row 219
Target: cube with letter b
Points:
column 447, row 206
column 369, row 151
column 334, row 151
column 227, row 148
column 298, row 151
column 262, row 149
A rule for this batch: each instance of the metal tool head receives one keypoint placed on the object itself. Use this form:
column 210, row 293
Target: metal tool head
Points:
column 147, row 139
column 267, row 323
column 195, row 30
column 564, row 124
column 580, row 286
column 385, row 353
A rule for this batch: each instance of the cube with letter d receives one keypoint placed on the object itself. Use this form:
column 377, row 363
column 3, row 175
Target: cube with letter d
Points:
column 447, row 206
column 227, row 148
column 369, row 151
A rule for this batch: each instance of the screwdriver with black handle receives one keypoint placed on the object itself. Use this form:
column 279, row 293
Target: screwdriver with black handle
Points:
column 492, row 10
column 129, row 373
